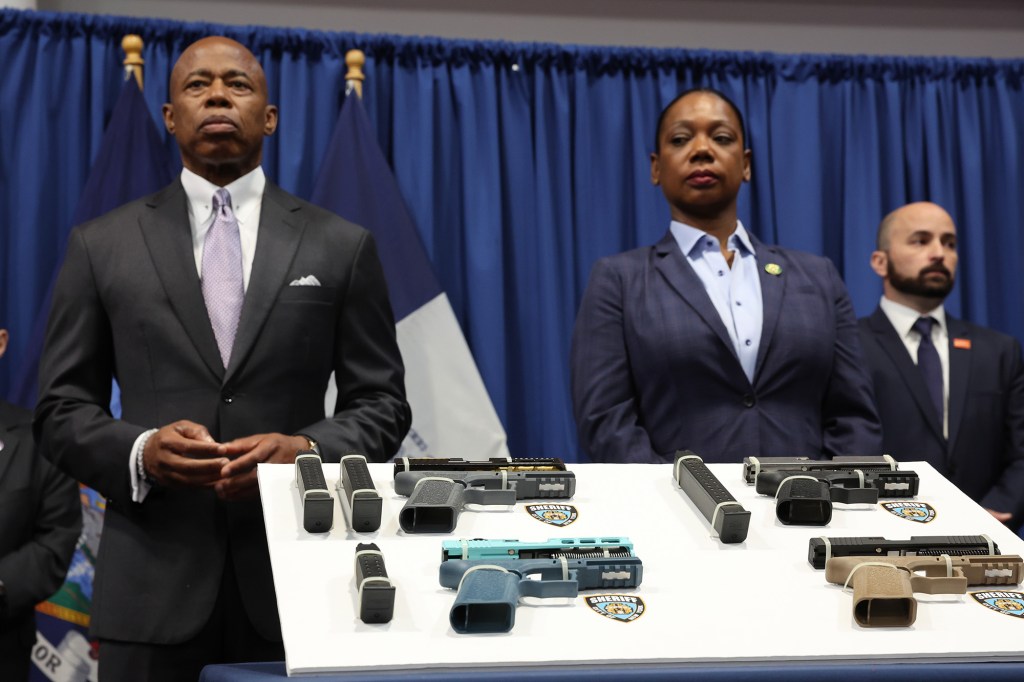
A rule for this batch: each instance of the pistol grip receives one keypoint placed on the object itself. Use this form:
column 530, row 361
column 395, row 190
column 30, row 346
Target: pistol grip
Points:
column 486, row 601
column 433, row 506
column 803, row 502
column 883, row 597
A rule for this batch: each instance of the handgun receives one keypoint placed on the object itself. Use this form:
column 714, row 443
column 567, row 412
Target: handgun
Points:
column 317, row 501
column 448, row 464
column 821, row 549
column 438, row 489
column 376, row 593
column 884, row 587
column 752, row 466
column 727, row 516
column 364, row 502
column 555, row 547
column 527, row 485
column 804, row 498
column 435, row 503
column 492, row 575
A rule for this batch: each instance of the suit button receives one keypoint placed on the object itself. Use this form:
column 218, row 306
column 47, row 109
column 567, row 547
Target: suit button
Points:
column 227, row 396
column 748, row 400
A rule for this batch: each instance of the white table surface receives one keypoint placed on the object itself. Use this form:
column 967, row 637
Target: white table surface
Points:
column 756, row 602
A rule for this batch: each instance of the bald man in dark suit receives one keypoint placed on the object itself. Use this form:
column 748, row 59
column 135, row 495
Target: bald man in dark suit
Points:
column 949, row 392
column 222, row 305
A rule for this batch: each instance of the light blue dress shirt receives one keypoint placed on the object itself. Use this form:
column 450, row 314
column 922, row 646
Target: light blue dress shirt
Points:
column 735, row 291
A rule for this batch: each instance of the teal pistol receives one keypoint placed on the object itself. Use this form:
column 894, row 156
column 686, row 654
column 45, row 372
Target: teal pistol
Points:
column 492, row 575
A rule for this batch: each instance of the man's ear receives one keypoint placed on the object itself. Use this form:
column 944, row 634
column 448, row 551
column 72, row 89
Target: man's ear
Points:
column 747, row 158
column 168, row 112
column 880, row 263
column 3, row 342
column 655, row 169
column 270, row 124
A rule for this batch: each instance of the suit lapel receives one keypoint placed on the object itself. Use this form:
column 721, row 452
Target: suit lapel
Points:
column 959, row 373
column 773, row 288
column 893, row 346
column 280, row 232
column 674, row 267
column 166, row 231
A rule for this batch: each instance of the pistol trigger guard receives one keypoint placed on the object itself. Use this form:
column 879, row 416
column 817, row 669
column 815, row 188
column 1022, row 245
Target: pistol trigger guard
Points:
column 475, row 495
column 547, row 589
column 854, row 495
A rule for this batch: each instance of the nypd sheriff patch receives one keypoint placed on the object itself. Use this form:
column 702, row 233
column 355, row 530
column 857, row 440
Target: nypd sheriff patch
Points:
column 922, row 512
column 553, row 514
column 621, row 607
column 1010, row 603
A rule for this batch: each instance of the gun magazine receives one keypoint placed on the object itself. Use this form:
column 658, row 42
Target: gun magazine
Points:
column 727, row 516
column 364, row 501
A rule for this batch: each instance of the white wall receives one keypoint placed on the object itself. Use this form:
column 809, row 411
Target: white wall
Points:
column 974, row 28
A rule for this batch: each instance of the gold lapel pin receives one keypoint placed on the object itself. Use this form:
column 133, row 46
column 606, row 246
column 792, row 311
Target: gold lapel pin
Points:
column 773, row 269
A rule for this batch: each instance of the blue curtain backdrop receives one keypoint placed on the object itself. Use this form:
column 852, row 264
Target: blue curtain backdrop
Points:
column 524, row 163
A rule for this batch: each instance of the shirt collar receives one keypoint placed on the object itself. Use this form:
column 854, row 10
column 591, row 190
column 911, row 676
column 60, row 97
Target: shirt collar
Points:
column 689, row 237
column 903, row 317
column 245, row 191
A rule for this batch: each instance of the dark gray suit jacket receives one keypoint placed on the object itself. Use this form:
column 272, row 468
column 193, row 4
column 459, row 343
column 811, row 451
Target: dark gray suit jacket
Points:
column 128, row 304
column 984, row 455
column 654, row 370
column 40, row 521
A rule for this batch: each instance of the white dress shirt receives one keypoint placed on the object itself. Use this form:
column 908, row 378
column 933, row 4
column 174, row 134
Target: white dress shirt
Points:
column 735, row 291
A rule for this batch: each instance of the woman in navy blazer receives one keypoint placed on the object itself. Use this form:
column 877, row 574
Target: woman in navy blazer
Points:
column 710, row 340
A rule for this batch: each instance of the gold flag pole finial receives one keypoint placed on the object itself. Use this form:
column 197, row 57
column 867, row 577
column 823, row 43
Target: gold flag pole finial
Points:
column 132, row 46
column 354, row 60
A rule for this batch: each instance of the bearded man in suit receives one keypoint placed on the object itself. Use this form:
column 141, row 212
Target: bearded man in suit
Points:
column 948, row 392
column 221, row 305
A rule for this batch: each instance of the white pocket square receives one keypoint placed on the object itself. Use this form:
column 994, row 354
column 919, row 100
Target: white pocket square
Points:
column 307, row 281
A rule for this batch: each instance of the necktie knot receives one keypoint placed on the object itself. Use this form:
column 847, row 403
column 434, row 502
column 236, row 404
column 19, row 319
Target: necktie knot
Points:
column 222, row 201
column 923, row 326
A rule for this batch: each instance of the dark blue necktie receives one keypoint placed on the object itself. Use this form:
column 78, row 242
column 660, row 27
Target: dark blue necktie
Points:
column 929, row 364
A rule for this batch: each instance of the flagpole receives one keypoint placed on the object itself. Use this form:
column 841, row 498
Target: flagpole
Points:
column 354, row 60
column 132, row 46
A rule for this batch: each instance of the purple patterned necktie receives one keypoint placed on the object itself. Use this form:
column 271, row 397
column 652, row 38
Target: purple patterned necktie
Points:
column 929, row 364
column 223, row 289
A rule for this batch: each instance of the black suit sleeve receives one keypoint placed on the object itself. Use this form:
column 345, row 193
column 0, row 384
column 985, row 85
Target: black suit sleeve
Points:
column 1007, row 495
column 47, row 514
column 604, row 397
column 372, row 415
column 73, row 425
column 850, row 421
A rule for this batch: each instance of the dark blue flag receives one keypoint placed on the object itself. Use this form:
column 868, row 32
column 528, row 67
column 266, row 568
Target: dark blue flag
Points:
column 131, row 163
column 452, row 414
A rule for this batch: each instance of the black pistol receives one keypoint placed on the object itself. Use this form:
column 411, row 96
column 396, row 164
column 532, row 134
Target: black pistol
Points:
column 804, row 498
